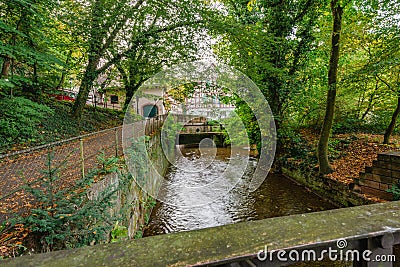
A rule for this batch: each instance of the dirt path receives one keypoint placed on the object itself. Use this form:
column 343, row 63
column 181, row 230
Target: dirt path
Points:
column 17, row 171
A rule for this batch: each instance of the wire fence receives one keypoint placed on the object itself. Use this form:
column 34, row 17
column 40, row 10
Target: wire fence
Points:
column 76, row 156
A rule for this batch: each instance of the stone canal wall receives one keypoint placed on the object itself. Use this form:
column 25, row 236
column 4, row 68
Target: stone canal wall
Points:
column 134, row 203
column 374, row 181
column 336, row 192
column 384, row 172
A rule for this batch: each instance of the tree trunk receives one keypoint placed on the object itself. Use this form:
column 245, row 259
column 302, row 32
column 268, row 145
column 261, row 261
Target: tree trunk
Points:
column 86, row 85
column 390, row 128
column 130, row 92
column 37, row 90
column 128, row 96
column 63, row 73
column 324, row 166
column 6, row 67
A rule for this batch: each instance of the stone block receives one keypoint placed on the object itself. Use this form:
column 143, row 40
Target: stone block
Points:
column 375, row 177
column 395, row 158
column 366, row 176
column 384, row 187
column 395, row 166
column 395, row 174
column 368, row 169
column 384, row 157
column 380, row 171
column 382, row 164
column 372, row 184
column 382, row 179
column 376, row 192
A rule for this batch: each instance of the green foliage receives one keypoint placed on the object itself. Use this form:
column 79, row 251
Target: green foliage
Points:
column 147, row 206
column 119, row 232
column 138, row 234
column 213, row 123
column 294, row 144
column 348, row 125
column 25, row 46
column 151, row 202
column 138, row 152
column 109, row 165
column 21, row 119
column 170, row 128
column 66, row 217
column 245, row 116
column 395, row 190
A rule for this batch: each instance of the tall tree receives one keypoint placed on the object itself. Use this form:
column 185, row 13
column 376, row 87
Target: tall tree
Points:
column 337, row 12
column 25, row 51
column 116, row 29
column 388, row 56
column 270, row 42
column 159, row 50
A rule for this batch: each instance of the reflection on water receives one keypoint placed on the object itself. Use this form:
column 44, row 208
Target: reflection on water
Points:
column 184, row 191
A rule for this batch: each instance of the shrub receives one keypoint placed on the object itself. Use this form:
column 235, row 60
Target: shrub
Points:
column 65, row 217
column 395, row 190
column 348, row 125
column 20, row 119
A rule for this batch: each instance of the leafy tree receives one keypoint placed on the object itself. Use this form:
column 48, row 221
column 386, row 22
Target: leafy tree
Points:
column 117, row 30
column 337, row 12
column 369, row 66
column 386, row 59
column 270, row 42
column 24, row 49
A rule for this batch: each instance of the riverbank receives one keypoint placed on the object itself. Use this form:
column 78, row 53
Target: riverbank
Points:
column 350, row 154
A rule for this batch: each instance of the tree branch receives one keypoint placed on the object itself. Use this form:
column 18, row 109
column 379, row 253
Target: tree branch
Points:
column 150, row 32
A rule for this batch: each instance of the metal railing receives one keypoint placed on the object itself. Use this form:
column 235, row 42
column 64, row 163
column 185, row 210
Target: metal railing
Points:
column 75, row 156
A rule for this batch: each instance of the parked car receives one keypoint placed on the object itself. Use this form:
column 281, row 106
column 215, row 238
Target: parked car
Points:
column 65, row 96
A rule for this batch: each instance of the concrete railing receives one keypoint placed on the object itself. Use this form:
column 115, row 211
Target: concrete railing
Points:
column 372, row 230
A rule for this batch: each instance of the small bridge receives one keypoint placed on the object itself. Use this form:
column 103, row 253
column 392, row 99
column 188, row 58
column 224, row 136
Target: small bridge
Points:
column 197, row 128
column 195, row 138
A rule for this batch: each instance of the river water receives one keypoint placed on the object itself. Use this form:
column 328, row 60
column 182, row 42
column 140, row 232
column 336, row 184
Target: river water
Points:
column 277, row 196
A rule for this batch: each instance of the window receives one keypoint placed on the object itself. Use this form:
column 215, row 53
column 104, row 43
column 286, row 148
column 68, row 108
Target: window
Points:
column 150, row 111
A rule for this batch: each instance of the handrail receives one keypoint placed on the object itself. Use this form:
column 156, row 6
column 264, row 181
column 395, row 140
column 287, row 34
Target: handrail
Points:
column 375, row 227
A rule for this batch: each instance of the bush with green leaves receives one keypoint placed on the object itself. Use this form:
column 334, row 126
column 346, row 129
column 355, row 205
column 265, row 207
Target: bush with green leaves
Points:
column 65, row 217
column 20, row 119
column 395, row 190
column 119, row 232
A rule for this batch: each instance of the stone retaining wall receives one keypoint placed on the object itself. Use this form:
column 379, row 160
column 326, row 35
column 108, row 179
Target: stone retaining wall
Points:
column 131, row 199
column 336, row 192
column 380, row 177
